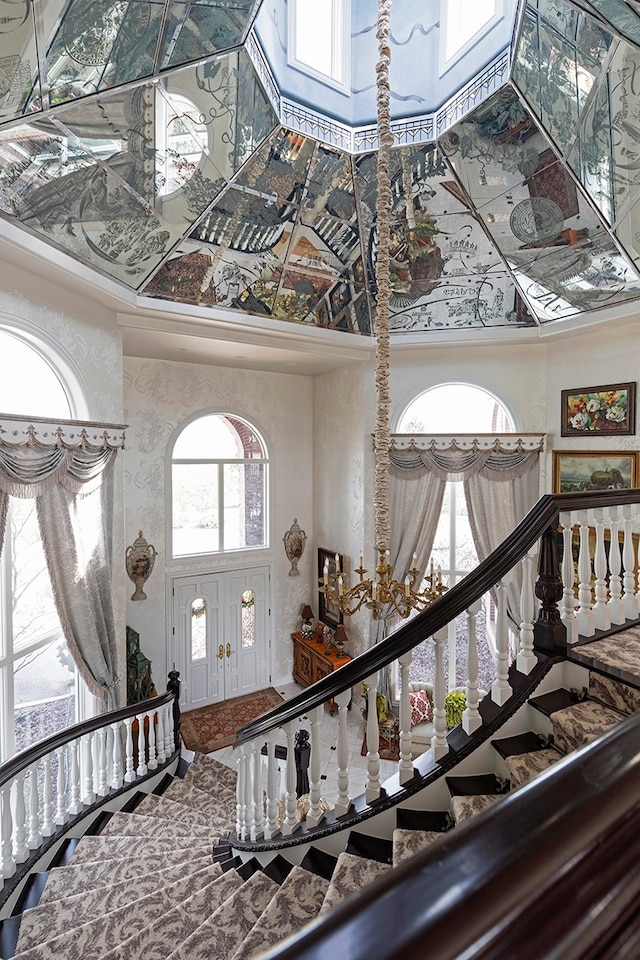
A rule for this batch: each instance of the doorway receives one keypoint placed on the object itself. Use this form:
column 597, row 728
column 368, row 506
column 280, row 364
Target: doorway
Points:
column 220, row 636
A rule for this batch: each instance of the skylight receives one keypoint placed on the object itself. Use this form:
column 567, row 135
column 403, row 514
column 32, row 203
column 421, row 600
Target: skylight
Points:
column 319, row 39
column 463, row 22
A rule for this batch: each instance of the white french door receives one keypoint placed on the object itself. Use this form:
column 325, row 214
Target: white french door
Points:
column 220, row 636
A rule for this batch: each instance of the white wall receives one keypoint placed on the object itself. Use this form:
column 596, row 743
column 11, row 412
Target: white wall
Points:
column 159, row 395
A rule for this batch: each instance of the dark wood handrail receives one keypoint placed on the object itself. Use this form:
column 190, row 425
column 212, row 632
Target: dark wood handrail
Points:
column 23, row 760
column 541, row 516
column 528, row 877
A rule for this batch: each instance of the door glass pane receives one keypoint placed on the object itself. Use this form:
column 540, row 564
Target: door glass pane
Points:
column 248, row 619
column 195, row 508
column 199, row 629
column 44, row 691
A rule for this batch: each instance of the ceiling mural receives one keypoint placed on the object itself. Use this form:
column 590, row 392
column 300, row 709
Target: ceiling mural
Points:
column 138, row 137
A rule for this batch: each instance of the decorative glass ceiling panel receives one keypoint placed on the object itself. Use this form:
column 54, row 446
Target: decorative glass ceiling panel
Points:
column 188, row 188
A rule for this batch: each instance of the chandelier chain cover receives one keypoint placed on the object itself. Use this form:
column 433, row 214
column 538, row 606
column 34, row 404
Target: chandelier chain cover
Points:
column 382, row 592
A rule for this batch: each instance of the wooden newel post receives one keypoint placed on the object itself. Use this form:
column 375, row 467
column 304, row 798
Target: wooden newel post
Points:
column 302, row 752
column 549, row 632
column 173, row 686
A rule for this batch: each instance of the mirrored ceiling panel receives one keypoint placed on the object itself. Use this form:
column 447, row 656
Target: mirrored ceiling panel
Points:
column 623, row 17
column 19, row 78
column 201, row 28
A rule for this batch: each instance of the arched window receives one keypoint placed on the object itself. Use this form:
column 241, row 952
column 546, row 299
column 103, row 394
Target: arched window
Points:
column 218, row 487
column 38, row 681
column 454, row 408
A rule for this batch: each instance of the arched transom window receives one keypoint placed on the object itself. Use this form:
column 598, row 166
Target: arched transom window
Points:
column 219, row 487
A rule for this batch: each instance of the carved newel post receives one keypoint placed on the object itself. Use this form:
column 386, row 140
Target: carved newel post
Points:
column 549, row 632
column 302, row 752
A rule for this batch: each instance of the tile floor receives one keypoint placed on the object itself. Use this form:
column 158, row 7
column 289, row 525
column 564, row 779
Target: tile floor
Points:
column 328, row 741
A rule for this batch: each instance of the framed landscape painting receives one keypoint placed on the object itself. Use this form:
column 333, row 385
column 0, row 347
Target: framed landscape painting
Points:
column 575, row 471
column 588, row 411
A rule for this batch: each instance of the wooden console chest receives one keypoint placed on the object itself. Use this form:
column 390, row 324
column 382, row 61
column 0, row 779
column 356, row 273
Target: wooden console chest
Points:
column 311, row 663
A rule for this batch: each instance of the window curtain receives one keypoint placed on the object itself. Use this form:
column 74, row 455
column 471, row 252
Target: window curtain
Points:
column 68, row 469
column 500, row 478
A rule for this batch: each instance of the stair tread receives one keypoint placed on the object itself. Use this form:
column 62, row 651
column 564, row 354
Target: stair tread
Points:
column 614, row 693
column 138, row 825
column 294, row 904
column 406, row 843
column 220, row 935
column 523, row 767
column 70, row 879
column 158, row 940
column 351, row 874
column 549, row 703
column 9, row 932
column 483, row 783
column 165, row 808
column 527, row 742
column 582, row 723
column 91, row 939
column 96, row 848
column 319, row 862
column 617, row 654
column 87, row 904
column 465, row 807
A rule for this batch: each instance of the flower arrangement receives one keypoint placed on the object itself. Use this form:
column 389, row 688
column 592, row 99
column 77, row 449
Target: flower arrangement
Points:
column 455, row 704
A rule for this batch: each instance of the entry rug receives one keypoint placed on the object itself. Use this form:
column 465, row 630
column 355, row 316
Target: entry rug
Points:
column 211, row 728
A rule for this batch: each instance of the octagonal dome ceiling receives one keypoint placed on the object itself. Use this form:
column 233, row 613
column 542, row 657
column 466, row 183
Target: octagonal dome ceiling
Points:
column 149, row 140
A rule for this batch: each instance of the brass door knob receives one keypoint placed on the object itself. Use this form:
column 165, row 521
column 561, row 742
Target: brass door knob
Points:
column 220, row 652
column 228, row 649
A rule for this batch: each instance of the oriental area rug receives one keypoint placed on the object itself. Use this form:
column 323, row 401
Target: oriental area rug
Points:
column 211, row 728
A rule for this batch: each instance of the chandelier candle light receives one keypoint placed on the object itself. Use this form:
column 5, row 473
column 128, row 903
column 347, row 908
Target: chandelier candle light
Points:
column 415, row 592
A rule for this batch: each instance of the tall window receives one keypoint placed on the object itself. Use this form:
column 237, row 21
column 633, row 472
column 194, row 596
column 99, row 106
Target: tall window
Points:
column 319, row 40
column 219, row 487
column 455, row 408
column 463, row 23
column 38, row 682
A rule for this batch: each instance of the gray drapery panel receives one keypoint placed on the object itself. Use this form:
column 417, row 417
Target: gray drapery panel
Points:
column 68, row 471
column 500, row 487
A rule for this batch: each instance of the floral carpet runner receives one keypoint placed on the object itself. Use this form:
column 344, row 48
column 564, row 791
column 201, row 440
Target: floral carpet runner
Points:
column 211, row 728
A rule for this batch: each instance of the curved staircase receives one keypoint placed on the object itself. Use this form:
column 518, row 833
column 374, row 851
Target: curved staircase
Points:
column 159, row 879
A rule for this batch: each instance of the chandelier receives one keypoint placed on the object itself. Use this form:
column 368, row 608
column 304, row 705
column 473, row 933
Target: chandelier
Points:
column 381, row 591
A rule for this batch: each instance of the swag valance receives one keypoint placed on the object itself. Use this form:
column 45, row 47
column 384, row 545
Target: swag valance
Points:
column 459, row 458
column 66, row 468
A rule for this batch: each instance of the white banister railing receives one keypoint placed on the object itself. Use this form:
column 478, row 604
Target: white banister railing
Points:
column 596, row 587
column 40, row 797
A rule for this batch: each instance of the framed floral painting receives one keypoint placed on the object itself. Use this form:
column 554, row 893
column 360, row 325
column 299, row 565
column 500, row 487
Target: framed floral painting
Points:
column 609, row 410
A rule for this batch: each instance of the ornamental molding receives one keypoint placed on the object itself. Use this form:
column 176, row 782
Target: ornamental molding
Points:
column 470, row 442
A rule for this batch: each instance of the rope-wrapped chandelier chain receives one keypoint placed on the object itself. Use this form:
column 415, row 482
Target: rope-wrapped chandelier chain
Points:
column 383, row 283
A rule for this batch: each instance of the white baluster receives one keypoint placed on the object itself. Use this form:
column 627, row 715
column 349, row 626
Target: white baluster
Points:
column 130, row 773
column 343, row 802
column 20, row 848
column 75, row 804
column 316, row 813
column 405, row 764
column 439, row 743
column 471, row 718
column 257, row 821
column 568, row 607
column 88, row 796
column 242, row 774
column 291, row 822
column 372, row 789
column 629, row 597
column 501, row 688
column 526, row 659
column 117, row 779
column 48, row 827
column 7, row 861
column 615, row 604
column 152, row 762
column 102, row 778
column 169, row 736
column 272, row 827
column 109, row 749
column 34, row 837
column 141, row 769
column 61, row 788
column 160, row 738
column 586, row 619
column 600, row 609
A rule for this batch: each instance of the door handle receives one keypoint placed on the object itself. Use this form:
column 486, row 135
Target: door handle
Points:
column 228, row 649
column 220, row 652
